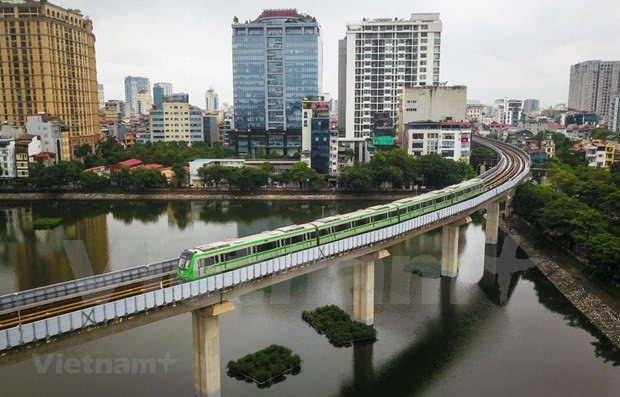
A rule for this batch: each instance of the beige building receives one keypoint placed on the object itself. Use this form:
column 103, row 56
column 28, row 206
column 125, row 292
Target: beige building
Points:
column 144, row 103
column 47, row 64
column 432, row 103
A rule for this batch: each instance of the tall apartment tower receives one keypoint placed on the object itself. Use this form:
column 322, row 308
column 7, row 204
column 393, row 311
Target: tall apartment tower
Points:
column 211, row 100
column 383, row 57
column 47, row 64
column 277, row 61
column 342, row 84
column 161, row 91
column 591, row 85
column 101, row 96
column 134, row 86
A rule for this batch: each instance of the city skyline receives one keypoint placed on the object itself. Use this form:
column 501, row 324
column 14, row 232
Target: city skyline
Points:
column 475, row 43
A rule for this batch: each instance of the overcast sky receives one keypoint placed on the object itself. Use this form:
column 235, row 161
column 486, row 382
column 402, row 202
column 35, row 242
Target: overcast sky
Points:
column 520, row 49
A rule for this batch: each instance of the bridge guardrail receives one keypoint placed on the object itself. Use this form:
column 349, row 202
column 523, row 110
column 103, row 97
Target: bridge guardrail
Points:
column 96, row 315
column 17, row 299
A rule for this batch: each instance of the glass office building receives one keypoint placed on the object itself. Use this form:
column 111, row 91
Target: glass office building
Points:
column 277, row 61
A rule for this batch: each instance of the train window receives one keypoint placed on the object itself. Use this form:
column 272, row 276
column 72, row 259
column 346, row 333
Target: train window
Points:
column 298, row 239
column 285, row 242
column 266, row 247
column 341, row 228
column 362, row 222
column 312, row 235
column 236, row 254
column 402, row 210
column 207, row 261
column 393, row 214
column 324, row 232
column 379, row 217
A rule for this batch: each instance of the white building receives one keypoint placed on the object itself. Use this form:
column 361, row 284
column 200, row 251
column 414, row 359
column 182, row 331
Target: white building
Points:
column 144, row 103
column 7, row 159
column 212, row 101
column 614, row 113
column 167, row 88
column 382, row 57
column 591, row 85
column 509, row 111
column 177, row 121
column 432, row 103
column 47, row 128
column 100, row 96
column 450, row 139
column 475, row 112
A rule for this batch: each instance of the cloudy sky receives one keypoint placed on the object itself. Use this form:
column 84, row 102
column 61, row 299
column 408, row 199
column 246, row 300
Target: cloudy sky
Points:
column 520, row 49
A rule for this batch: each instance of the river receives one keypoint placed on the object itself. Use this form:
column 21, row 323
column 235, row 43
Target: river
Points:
column 465, row 336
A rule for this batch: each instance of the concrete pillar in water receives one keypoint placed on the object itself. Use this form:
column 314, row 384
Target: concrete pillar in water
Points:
column 492, row 223
column 450, row 248
column 206, row 332
column 364, row 286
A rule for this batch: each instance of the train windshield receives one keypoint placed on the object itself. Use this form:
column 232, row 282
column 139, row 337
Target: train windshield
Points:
column 185, row 260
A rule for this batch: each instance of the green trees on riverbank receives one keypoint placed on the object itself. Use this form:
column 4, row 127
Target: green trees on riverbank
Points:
column 401, row 170
column 587, row 223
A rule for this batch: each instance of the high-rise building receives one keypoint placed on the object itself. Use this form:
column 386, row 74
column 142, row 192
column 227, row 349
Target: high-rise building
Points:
column 277, row 61
column 177, row 120
column 614, row 113
column 531, row 106
column 51, row 51
column 591, row 85
column 212, row 101
column 144, row 103
column 160, row 91
column 342, row 84
column 319, row 149
column 133, row 86
column 101, row 96
column 383, row 57
column 432, row 103
column 514, row 110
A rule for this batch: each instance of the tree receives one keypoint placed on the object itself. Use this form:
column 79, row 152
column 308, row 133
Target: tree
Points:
column 440, row 172
column 179, row 174
column 267, row 167
column 146, row 178
column 91, row 181
column 356, row 177
column 248, row 178
column 306, row 176
column 395, row 166
column 71, row 171
column 481, row 155
column 83, row 151
column 214, row 174
column 121, row 177
column 603, row 253
column 50, row 177
column 349, row 154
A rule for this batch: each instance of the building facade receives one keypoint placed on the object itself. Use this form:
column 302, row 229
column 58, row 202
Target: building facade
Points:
column 176, row 121
column 100, row 95
column 450, row 139
column 265, row 142
column 614, row 113
column 277, row 61
column 591, row 85
column 383, row 57
column 319, row 148
column 531, row 106
column 160, row 91
column 133, row 86
column 7, row 158
column 144, row 103
column 48, row 129
column 212, row 100
column 432, row 103
column 48, row 65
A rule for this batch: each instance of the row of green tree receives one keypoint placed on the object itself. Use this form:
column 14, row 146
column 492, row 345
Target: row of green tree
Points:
column 399, row 169
column 249, row 178
column 575, row 224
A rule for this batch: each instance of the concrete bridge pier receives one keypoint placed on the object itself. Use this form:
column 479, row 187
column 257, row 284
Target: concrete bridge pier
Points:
column 364, row 286
column 206, row 332
column 450, row 248
column 492, row 226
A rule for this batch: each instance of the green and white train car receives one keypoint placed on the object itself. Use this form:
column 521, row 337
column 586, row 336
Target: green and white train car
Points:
column 221, row 257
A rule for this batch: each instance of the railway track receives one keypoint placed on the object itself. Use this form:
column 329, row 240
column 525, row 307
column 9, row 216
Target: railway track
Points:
column 511, row 163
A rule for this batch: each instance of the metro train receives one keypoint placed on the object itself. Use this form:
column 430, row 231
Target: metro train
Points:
column 213, row 258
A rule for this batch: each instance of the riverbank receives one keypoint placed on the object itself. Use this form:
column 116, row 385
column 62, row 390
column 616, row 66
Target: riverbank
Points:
column 210, row 195
column 599, row 307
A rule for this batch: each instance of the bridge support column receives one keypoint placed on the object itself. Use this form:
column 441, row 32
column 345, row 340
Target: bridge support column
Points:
column 450, row 248
column 206, row 332
column 364, row 287
column 492, row 225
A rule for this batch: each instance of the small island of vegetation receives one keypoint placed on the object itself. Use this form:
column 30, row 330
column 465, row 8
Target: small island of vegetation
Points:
column 266, row 366
column 338, row 326
column 46, row 223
